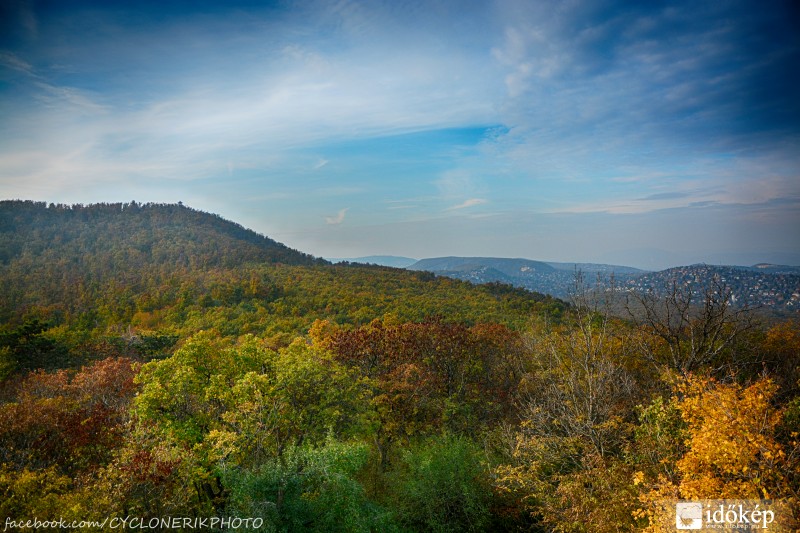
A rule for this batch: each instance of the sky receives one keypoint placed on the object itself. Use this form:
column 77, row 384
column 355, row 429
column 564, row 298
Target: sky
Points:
column 650, row 134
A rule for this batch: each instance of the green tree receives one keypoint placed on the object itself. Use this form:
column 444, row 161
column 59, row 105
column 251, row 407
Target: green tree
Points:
column 443, row 485
column 28, row 347
column 179, row 407
column 214, row 404
column 302, row 396
column 309, row 488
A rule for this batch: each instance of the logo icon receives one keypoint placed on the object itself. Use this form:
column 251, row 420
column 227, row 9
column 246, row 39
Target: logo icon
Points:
column 689, row 515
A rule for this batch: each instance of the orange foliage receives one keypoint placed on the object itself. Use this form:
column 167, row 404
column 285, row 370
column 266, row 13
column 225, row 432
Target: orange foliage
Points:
column 732, row 450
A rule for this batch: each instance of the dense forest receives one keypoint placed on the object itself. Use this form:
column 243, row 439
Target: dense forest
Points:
column 157, row 361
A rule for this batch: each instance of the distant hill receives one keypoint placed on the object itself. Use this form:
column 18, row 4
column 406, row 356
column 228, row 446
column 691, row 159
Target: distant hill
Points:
column 509, row 267
column 775, row 287
column 767, row 286
column 555, row 279
column 773, row 269
column 381, row 260
column 597, row 268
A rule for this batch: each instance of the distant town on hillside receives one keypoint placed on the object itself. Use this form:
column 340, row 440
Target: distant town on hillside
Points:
column 774, row 287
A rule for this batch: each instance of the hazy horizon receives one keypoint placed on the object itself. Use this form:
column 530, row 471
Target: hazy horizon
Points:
column 545, row 260
column 648, row 135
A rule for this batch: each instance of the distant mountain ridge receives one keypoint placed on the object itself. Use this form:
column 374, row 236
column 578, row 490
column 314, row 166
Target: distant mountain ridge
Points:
column 509, row 267
column 761, row 285
column 555, row 279
column 597, row 268
column 773, row 269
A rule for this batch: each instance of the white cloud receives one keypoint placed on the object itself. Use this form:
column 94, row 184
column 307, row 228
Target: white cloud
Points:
column 290, row 92
column 338, row 219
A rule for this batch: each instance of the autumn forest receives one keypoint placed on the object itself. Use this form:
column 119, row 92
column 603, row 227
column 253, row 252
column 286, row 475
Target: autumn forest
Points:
column 159, row 361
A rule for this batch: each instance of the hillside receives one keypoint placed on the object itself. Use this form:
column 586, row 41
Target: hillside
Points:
column 69, row 256
column 598, row 268
column 118, row 235
column 169, row 267
column 756, row 287
column 773, row 269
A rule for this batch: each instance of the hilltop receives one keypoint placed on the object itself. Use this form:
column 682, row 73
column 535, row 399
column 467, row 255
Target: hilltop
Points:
column 117, row 235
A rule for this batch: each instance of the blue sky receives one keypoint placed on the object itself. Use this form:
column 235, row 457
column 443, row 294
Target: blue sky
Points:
column 645, row 133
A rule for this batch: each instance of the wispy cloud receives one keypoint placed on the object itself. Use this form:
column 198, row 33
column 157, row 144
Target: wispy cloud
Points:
column 338, row 219
column 664, row 196
column 12, row 61
column 472, row 202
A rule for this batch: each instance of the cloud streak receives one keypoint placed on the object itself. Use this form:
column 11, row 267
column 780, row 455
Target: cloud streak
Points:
column 472, row 202
column 338, row 219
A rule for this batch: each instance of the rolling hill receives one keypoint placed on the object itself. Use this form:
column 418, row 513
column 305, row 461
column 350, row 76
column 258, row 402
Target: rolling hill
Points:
column 106, row 267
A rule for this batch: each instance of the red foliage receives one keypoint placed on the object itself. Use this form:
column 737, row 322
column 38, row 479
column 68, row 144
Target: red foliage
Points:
column 65, row 420
column 433, row 372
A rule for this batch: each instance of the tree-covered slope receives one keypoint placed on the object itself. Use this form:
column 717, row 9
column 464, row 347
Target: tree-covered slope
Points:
column 156, row 267
column 124, row 235
column 79, row 258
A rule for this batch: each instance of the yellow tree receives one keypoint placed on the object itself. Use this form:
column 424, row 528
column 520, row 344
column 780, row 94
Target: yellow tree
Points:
column 731, row 449
column 576, row 402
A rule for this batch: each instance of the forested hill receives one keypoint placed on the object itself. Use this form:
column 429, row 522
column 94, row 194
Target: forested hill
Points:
column 118, row 235
column 154, row 267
